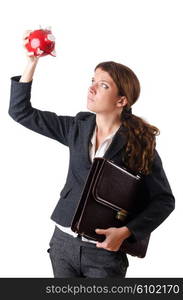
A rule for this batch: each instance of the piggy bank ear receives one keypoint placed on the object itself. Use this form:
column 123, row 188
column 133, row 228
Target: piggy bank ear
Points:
column 48, row 28
column 51, row 37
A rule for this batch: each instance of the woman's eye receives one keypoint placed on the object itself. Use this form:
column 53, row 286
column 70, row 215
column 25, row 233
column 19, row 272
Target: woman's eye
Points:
column 104, row 85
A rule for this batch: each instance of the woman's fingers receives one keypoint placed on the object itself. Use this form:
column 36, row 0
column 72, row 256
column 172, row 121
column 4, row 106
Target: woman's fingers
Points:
column 26, row 34
column 30, row 53
column 25, row 37
column 25, row 41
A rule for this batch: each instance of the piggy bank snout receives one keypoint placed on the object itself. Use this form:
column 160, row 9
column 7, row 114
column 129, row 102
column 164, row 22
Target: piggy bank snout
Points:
column 35, row 43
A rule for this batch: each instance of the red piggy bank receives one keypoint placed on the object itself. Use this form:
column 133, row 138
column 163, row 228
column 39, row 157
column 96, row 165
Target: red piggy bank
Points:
column 41, row 42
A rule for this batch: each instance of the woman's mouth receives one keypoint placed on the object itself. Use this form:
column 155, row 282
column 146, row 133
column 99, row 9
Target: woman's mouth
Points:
column 90, row 99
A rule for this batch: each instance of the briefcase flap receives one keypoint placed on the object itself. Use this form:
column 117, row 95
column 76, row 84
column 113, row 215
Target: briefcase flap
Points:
column 116, row 188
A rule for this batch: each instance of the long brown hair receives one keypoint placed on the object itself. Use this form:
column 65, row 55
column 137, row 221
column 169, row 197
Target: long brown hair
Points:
column 141, row 136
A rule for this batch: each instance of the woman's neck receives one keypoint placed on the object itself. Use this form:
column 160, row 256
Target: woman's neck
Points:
column 107, row 124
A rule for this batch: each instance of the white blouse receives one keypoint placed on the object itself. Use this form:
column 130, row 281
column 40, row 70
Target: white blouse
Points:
column 99, row 153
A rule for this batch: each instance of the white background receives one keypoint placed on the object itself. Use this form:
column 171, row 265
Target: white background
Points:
column 144, row 35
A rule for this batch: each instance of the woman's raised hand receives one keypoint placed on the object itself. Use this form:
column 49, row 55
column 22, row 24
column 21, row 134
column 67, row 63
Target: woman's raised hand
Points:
column 30, row 55
column 28, row 73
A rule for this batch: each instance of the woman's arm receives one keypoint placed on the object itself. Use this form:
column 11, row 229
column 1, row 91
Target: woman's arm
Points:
column 161, row 202
column 28, row 73
column 20, row 109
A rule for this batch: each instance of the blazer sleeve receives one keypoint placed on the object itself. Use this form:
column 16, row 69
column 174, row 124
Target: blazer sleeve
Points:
column 160, row 199
column 46, row 123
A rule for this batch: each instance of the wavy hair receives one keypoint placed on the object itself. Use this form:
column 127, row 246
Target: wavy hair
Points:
column 141, row 136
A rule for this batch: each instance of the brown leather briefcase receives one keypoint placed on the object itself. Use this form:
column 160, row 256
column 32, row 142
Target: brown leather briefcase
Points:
column 108, row 199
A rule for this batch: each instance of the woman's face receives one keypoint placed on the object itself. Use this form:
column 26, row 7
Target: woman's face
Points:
column 103, row 94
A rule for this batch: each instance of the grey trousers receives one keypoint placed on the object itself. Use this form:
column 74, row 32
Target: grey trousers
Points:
column 72, row 257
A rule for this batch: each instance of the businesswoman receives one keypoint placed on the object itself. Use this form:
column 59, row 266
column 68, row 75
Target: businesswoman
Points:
column 108, row 129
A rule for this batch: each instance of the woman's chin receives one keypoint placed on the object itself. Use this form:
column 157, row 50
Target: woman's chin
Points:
column 91, row 108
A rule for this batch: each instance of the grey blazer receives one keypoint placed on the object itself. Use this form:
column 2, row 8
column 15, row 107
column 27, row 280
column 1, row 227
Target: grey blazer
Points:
column 75, row 132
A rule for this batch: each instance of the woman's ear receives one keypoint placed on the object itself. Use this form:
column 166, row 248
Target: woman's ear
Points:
column 122, row 102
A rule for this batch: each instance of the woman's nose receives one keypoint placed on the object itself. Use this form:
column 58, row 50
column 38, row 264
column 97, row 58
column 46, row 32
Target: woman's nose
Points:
column 92, row 89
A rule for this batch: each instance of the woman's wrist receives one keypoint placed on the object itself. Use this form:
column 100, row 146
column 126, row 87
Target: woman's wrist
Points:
column 125, row 232
column 29, row 71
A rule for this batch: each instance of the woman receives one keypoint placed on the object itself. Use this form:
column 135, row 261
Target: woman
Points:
column 108, row 129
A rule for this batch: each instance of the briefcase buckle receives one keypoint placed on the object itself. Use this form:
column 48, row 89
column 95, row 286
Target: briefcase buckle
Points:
column 121, row 214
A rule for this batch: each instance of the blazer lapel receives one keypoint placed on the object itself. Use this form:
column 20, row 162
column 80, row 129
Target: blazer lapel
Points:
column 87, row 131
column 118, row 142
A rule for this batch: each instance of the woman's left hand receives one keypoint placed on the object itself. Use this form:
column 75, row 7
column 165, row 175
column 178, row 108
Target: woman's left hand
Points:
column 114, row 237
